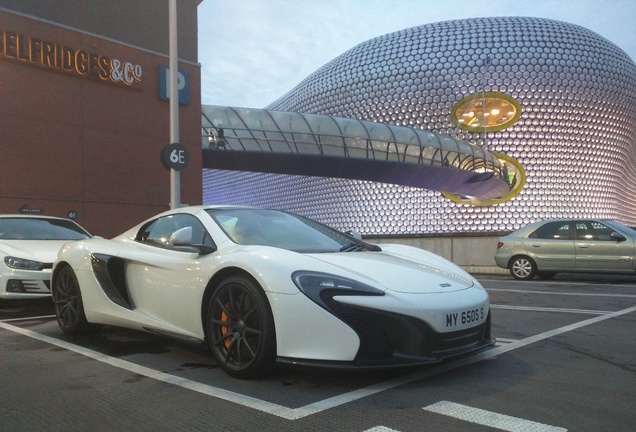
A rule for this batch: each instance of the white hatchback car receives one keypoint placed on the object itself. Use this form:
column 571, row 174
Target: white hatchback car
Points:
column 28, row 246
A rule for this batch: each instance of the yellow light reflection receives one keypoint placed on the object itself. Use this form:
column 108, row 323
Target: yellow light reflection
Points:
column 514, row 175
column 486, row 112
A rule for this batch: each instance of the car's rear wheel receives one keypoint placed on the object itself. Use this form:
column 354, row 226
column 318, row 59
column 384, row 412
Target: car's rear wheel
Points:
column 67, row 299
column 241, row 328
column 522, row 268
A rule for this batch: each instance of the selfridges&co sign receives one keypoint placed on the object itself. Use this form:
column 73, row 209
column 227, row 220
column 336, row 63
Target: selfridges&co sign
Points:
column 49, row 55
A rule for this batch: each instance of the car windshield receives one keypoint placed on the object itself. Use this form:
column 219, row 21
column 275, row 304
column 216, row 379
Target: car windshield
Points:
column 283, row 230
column 40, row 229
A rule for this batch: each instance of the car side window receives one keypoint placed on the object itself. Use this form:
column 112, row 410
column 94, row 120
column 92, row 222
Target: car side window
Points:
column 592, row 230
column 553, row 231
column 158, row 232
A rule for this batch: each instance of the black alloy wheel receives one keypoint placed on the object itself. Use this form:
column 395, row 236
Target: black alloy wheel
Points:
column 67, row 299
column 241, row 328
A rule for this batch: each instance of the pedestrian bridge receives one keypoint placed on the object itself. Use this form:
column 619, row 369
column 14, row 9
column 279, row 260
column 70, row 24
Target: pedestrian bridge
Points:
column 246, row 139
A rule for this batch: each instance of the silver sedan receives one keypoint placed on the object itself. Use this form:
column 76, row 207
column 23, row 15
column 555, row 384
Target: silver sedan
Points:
column 567, row 245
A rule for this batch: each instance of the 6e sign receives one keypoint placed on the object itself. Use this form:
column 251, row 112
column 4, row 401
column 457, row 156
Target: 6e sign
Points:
column 174, row 156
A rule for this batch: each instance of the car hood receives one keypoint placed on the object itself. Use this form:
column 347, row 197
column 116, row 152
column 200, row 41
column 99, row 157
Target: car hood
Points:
column 403, row 269
column 39, row 250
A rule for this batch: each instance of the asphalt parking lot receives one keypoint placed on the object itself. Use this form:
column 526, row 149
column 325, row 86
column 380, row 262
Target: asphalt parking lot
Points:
column 564, row 361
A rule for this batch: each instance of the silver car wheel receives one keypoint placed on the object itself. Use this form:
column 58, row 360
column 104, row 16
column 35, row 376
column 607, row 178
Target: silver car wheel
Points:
column 522, row 268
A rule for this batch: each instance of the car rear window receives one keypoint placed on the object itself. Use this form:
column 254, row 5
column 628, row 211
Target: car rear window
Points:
column 553, row 231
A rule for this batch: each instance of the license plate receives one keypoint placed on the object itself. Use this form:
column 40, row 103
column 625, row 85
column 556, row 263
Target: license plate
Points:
column 466, row 318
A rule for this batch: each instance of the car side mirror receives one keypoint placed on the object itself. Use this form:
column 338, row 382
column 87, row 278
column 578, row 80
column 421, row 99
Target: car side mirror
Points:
column 182, row 239
column 616, row 236
column 355, row 234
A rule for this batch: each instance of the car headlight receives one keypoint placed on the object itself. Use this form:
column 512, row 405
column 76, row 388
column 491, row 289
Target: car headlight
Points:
column 22, row 264
column 321, row 287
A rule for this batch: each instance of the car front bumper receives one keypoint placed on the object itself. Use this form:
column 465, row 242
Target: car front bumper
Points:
column 25, row 284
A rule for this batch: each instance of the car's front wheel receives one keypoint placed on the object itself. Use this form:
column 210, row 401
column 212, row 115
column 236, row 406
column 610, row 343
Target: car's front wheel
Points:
column 69, row 310
column 241, row 328
column 523, row 268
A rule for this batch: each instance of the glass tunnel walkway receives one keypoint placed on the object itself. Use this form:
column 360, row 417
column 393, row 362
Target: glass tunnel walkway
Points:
column 246, row 139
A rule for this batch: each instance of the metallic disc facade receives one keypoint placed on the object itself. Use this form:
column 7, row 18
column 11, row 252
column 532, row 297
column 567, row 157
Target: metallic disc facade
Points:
column 576, row 137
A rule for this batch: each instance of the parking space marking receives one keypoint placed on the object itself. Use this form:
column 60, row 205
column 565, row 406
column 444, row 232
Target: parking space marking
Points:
column 563, row 293
column 28, row 318
column 381, row 429
column 316, row 407
column 548, row 309
column 155, row 374
column 505, row 340
column 488, row 418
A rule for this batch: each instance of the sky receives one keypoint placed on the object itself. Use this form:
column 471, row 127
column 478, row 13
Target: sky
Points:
column 254, row 51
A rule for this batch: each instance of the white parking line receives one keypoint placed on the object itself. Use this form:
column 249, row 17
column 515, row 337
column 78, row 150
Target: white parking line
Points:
column 28, row 318
column 380, row 429
column 488, row 418
column 563, row 293
column 546, row 309
column 506, row 341
column 152, row 373
column 316, row 407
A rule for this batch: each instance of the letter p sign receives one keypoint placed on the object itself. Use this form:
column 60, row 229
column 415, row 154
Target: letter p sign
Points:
column 183, row 84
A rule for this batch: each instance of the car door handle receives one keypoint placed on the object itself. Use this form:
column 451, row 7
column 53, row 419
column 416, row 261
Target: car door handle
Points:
column 584, row 246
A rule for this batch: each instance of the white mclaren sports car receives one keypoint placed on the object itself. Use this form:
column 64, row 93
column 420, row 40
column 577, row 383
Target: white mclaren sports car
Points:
column 262, row 286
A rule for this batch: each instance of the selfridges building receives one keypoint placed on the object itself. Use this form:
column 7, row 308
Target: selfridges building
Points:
column 557, row 99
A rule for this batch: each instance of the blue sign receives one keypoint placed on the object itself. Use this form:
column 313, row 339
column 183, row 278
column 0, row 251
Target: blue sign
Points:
column 183, row 85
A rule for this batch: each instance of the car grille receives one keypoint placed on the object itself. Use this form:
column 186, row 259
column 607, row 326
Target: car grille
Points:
column 28, row 286
column 388, row 338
